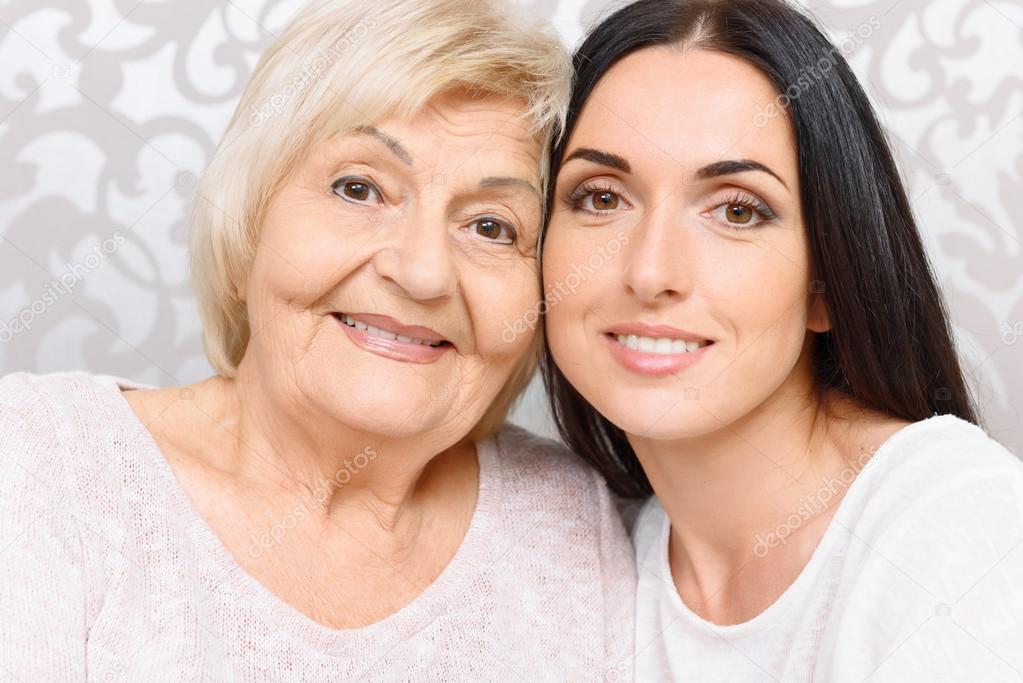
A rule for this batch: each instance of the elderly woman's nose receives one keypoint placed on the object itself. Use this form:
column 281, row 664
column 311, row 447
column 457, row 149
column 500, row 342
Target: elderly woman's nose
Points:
column 420, row 260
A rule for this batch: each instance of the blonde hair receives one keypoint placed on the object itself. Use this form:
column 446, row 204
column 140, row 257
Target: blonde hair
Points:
column 338, row 65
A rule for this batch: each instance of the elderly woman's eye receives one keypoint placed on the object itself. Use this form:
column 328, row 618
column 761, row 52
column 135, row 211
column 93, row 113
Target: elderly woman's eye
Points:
column 494, row 230
column 355, row 190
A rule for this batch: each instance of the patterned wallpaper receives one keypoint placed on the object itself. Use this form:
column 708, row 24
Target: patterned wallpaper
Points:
column 110, row 109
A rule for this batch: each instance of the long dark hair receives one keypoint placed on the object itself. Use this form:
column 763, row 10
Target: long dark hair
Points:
column 890, row 347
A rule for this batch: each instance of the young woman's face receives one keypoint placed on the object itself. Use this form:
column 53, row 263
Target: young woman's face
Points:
column 676, row 261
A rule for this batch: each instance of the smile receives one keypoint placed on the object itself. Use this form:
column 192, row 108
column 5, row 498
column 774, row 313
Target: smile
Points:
column 662, row 346
column 381, row 333
column 655, row 350
column 384, row 336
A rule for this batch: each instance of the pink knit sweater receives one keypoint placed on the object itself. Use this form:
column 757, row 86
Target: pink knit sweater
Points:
column 107, row 571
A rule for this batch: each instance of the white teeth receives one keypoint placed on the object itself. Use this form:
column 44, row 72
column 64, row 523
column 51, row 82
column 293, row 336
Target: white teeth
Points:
column 662, row 346
column 385, row 334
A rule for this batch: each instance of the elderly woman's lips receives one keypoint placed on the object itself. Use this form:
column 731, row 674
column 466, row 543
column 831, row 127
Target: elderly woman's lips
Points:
column 391, row 339
column 389, row 328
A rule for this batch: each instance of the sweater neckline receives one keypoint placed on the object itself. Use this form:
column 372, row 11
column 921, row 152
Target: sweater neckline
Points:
column 838, row 527
column 431, row 604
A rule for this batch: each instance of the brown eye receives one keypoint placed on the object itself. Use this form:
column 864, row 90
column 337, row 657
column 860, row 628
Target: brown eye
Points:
column 494, row 230
column 354, row 190
column 605, row 201
column 739, row 214
column 358, row 191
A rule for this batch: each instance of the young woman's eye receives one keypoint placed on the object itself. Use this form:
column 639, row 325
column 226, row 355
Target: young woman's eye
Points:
column 595, row 199
column 356, row 190
column 743, row 212
column 493, row 230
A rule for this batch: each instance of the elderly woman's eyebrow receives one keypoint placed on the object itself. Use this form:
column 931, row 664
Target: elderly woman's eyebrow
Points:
column 392, row 144
column 505, row 181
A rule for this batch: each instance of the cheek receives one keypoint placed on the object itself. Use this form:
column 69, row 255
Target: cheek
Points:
column 504, row 305
column 761, row 294
column 305, row 248
column 566, row 284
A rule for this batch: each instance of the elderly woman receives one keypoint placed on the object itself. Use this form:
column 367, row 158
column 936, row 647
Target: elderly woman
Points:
column 340, row 501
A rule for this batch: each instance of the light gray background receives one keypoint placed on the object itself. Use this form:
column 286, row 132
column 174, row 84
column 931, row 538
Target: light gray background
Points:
column 109, row 110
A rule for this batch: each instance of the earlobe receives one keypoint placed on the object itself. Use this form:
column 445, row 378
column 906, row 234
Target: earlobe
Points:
column 818, row 319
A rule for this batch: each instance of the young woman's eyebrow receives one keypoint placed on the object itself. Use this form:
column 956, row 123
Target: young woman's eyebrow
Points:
column 732, row 166
column 599, row 157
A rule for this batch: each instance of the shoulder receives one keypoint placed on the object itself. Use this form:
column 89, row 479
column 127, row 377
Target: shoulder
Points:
column 45, row 419
column 36, row 467
column 561, row 554
column 938, row 465
column 532, row 466
column 544, row 483
column 48, row 404
column 935, row 530
column 32, row 405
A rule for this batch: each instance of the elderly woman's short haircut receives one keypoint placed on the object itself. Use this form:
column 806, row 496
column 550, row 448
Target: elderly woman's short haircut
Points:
column 338, row 65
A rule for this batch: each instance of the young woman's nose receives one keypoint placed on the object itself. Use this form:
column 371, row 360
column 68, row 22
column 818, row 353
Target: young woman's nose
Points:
column 659, row 257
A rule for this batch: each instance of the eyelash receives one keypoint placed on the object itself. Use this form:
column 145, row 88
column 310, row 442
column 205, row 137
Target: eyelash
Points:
column 341, row 182
column 575, row 198
column 760, row 208
column 762, row 211
column 513, row 235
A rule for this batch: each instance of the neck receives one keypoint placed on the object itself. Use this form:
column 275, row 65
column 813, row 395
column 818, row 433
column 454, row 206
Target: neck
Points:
column 285, row 447
column 770, row 479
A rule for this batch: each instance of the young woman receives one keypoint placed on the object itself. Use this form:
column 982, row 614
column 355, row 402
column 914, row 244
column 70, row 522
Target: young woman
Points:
column 742, row 321
column 342, row 500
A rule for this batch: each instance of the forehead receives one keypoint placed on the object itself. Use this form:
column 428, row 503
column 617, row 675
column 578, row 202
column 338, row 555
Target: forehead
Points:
column 690, row 107
column 468, row 131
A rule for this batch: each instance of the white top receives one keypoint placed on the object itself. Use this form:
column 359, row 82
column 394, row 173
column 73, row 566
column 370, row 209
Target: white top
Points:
column 107, row 571
column 919, row 577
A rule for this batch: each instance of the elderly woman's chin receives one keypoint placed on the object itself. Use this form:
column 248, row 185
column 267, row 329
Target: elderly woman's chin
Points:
column 356, row 378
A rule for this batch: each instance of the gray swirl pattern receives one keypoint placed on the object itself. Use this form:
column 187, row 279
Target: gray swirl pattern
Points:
column 109, row 110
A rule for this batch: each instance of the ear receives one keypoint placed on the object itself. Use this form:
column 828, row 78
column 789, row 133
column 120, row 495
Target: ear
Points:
column 817, row 318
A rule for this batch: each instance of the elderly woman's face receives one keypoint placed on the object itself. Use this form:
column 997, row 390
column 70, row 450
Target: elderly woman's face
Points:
column 390, row 263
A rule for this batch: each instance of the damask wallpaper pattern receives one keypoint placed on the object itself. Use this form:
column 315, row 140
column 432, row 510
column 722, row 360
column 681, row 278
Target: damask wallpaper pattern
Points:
column 110, row 109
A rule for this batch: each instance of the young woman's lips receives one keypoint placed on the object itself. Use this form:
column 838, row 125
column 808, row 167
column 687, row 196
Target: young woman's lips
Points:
column 649, row 364
column 410, row 344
